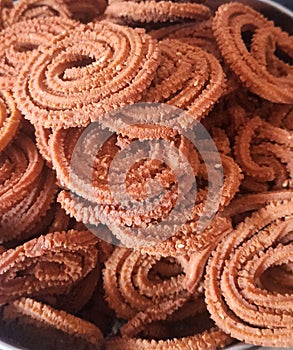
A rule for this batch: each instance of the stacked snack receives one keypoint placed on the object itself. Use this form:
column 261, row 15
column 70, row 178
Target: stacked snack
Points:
column 78, row 91
column 152, row 12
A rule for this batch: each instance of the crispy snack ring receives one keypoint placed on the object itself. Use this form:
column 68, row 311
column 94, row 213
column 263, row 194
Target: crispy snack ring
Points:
column 20, row 170
column 38, row 325
column 133, row 291
column 187, row 239
column 195, row 85
column 21, row 39
column 94, row 184
column 29, row 9
column 230, row 21
column 148, row 289
column 10, row 118
column 235, row 295
column 156, row 11
column 69, row 87
column 18, row 222
column 264, row 153
column 47, row 265
column 191, row 235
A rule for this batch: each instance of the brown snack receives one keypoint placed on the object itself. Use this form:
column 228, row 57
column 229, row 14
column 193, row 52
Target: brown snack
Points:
column 186, row 240
column 10, row 118
column 20, row 169
column 146, row 289
column 94, row 202
column 181, row 229
column 95, row 187
column 79, row 87
column 198, row 34
column 195, row 84
column 264, row 153
column 130, row 288
column 48, row 265
column 230, row 21
column 27, row 190
column 20, row 40
column 235, row 295
column 156, row 11
column 18, row 222
column 29, row 9
column 38, row 325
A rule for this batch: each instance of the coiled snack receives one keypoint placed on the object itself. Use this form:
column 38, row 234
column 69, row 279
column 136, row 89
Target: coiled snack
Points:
column 69, row 86
column 240, row 298
column 47, row 265
column 250, row 64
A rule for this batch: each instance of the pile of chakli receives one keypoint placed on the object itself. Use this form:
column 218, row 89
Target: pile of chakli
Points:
column 67, row 70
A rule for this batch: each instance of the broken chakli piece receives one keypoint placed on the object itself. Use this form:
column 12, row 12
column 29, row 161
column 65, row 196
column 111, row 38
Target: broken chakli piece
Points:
column 78, row 264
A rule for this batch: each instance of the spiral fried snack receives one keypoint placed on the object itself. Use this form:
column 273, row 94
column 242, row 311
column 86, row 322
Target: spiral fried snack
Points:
column 19, row 223
column 146, row 289
column 10, row 118
column 195, row 85
column 156, row 11
column 68, row 86
column 96, row 188
column 48, row 265
column 18, row 41
column 264, row 153
column 93, row 200
column 29, row 9
column 38, row 325
column 236, row 294
column 250, row 64
column 27, row 189
column 129, row 290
